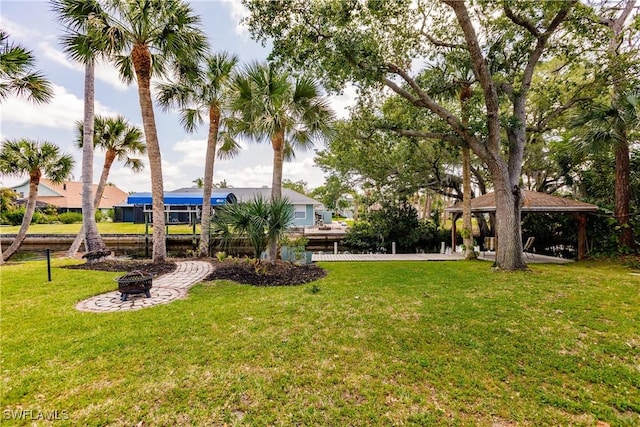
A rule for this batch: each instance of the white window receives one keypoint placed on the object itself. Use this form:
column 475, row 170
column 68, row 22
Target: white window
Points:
column 300, row 212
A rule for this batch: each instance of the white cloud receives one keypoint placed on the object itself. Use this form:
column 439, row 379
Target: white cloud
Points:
column 17, row 31
column 238, row 12
column 341, row 103
column 104, row 71
column 62, row 112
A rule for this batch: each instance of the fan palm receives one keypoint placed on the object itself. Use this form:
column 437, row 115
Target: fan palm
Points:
column 269, row 106
column 120, row 140
column 258, row 220
column 36, row 159
column 159, row 37
column 16, row 73
column 205, row 94
column 88, row 37
column 604, row 126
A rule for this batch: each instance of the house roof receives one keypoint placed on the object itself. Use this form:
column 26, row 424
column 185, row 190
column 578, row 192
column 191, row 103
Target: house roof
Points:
column 70, row 195
column 244, row 194
column 182, row 198
column 533, row 202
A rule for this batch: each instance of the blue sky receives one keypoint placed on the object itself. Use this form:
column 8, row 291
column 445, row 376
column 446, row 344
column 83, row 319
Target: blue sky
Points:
column 31, row 24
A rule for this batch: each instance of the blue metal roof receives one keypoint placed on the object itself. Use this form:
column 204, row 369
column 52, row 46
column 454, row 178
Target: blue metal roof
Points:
column 185, row 199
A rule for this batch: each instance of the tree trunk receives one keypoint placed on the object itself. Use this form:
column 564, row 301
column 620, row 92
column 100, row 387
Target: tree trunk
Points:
column 28, row 215
column 621, row 150
column 108, row 161
column 93, row 240
column 467, row 226
column 509, row 255
column 212, row 142
column 141, row 58
column 623, row 195
column 277, row 143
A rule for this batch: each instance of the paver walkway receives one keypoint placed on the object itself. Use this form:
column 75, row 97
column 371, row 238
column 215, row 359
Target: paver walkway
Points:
column 166, row 288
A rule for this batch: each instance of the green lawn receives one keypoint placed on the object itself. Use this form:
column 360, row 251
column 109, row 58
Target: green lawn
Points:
column 393, row 343
column 103, row 227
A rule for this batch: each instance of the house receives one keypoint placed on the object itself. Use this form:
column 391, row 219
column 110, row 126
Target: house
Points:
column 184, row 204
column 67, row 196
column 179, row 207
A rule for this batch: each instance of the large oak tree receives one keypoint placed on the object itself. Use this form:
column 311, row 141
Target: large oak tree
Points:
column 382, row 43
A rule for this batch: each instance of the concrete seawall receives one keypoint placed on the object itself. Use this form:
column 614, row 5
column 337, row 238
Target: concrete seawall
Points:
column 138, row 242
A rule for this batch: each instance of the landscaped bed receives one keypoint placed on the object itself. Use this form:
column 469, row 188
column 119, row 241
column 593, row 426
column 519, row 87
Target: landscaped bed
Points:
column 390, row 343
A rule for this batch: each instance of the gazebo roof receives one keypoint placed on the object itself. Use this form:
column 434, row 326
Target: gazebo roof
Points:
column 533, row 202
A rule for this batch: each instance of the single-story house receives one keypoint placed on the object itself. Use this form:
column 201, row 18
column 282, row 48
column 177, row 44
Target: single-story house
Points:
column 185, row 204
column 179, row 207
column 67, row 196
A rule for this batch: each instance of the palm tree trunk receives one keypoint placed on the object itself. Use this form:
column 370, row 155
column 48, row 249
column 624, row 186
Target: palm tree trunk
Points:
column 26, row 220
column 467, row 227
column 276, row 184
column 212, row 142
column 142, row 64
column 623, row 195
column 108, row 161
column 93, row 240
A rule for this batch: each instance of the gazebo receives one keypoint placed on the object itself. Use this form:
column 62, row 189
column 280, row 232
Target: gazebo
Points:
column 533, row 201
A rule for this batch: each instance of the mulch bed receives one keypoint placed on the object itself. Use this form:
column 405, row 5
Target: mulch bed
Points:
column 265, row 274
column 128, row 265
column 242, row 270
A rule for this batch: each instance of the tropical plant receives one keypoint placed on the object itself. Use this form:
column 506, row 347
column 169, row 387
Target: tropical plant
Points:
column 120, row 140
column 257, row 220
column 205, row 93
column 291, row 115
column 88, row 37
column 605, row 126
column 36, row 159
column 16, row 73
column 160, row 37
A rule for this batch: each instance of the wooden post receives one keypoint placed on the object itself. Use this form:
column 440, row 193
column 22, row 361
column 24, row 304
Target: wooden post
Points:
column 454, row 217
column 582, row 235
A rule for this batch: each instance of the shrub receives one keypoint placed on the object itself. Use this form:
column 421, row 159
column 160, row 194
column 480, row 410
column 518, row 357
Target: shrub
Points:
column 14, row 217
column 70, row 217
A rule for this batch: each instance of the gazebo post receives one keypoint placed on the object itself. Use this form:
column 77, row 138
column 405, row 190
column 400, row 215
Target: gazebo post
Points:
column 454, row 217
column 582, row 235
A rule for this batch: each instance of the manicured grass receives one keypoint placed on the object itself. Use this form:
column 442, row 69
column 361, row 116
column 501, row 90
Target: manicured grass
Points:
column 103, row 227
column 393, row 343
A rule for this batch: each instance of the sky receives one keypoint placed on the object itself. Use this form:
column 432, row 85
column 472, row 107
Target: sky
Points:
column 32, row 25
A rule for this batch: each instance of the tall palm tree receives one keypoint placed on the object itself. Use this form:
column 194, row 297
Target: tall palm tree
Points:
column 289, row 114
column 88, row 37
column 37, row 159
column 205, row 93
column 605, row 126
column 159, row 37
column 16, row 73
column 120, row 140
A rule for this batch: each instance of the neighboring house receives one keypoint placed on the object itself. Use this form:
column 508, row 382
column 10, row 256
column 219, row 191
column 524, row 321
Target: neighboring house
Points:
column 179, row 207
column 186, row 202
column 67, row 196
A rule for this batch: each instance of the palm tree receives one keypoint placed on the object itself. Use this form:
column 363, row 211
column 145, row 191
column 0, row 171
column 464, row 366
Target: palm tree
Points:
column 88, row 37
column 603, row 126
column 259, row 220
column 205, row 93
column 159, row 37
column 37, row 159
column 16, row 74
column 270, row 107
column 120, row 140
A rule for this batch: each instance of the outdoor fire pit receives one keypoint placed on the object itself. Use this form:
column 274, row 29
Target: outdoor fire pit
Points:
column 135, row 282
